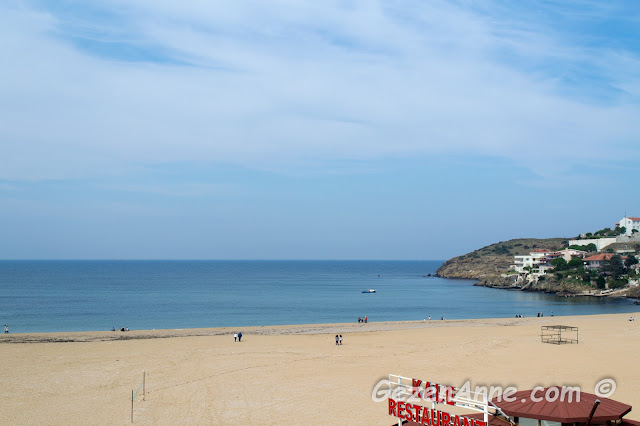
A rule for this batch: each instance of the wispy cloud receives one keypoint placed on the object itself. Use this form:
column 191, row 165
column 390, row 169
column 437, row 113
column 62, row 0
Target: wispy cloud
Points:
column 94, row 89
column 188, row 189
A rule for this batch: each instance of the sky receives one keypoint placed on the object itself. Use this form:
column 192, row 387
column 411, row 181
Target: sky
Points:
column 294, row 129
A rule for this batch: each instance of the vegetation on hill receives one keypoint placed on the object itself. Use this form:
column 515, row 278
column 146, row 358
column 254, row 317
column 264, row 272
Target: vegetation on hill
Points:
column 605, row 233
column 488, row 263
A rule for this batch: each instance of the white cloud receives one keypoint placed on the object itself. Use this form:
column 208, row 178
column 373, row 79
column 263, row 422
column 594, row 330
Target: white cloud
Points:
column 285, row 82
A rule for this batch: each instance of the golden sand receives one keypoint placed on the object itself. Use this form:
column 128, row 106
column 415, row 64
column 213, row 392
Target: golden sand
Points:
column 296, row 374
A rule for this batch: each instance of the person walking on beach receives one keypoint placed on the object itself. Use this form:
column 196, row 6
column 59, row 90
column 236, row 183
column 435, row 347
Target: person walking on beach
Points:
column 6, row 329
column 240, row 337
column 235, row 337
column 365, row 319
column 341, row 339
column 336, row 340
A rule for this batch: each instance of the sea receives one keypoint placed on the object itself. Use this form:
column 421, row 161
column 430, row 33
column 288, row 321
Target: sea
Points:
column 54, row 296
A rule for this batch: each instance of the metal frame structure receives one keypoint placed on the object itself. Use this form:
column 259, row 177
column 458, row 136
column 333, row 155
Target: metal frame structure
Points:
column 553, row 334
column 476, row 401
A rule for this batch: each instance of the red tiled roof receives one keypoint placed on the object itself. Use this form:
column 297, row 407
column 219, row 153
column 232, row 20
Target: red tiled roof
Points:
column 635, row 219
column 603, row 256
column 562, row 411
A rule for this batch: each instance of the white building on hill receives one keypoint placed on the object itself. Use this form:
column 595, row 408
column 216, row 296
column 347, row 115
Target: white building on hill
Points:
column 630, row 223
column 567, row 254
column 539, row 261
column 531, row 260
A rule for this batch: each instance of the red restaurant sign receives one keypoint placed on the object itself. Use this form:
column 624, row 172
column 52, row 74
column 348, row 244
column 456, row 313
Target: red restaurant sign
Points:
column 429, row 417
column 403, row 403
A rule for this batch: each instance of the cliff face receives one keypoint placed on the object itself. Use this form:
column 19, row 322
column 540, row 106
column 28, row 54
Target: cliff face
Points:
column 475, row 268
column 488, row 263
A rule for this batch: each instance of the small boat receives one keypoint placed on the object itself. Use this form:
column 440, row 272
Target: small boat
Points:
column 369, row 290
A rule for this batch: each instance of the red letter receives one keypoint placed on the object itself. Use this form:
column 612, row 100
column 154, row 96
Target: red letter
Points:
column 418, row 411
column 392, row 407
column 426, row 418
column 428, row 392
column 437, row 393
column 479, row 423
column 409, row 415
column 456, row 420
column 415, row 385
column 445, row 419
column 400, row 409
column 448, row 394
column 435, row 417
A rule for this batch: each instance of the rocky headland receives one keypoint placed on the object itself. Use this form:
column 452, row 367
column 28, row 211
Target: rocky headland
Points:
column 490, row 262
column 490, row 265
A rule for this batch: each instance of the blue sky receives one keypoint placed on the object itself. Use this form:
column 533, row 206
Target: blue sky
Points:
column 313, row 130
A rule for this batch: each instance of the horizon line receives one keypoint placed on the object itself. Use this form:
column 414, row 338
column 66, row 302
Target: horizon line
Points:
column 219, row 260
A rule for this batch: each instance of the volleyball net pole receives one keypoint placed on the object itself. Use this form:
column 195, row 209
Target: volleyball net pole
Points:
column 135, row 394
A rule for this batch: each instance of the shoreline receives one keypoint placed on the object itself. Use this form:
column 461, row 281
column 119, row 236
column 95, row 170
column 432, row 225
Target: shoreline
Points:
column 283, row 330
column 595, row 293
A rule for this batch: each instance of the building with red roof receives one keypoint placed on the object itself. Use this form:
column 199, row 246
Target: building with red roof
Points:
column 597, row 261
column 554, row 406
column 631, row 224
column 544, row 407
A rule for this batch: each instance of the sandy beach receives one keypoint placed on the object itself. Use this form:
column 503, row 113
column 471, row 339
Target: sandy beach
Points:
column 296, row 374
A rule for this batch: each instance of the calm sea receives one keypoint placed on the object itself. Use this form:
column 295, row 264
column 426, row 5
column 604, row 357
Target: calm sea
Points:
column 43, row 296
